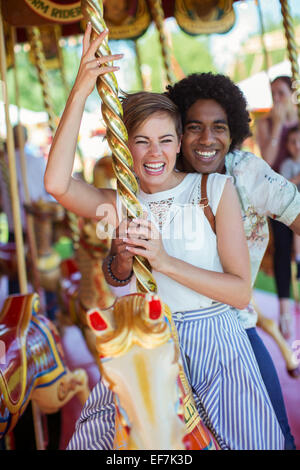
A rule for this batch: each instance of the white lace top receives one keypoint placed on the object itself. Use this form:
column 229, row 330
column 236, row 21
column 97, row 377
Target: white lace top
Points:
column 186, row 235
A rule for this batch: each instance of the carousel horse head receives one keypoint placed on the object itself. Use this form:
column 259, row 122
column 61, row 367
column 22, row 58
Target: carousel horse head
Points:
column 103, row 173
column 140, row 363
column 33, row 364
column 45, row 213
column 82, row 284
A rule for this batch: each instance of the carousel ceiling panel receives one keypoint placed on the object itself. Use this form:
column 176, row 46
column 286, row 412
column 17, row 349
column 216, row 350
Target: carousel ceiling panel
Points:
column 204, row 17
column 35, row 12
column 125, row 18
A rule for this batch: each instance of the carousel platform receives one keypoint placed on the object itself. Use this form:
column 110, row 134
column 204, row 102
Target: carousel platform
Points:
column 268, row 305
column 79, row 356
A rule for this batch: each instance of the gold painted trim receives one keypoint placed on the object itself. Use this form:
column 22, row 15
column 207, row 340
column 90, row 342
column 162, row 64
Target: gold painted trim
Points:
column 134, row 27
column 60, row 369
column 25, row 314
column 189, row 21
column 68, row 13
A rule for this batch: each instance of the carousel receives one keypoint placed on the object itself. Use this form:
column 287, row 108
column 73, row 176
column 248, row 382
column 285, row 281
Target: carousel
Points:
column 125, row 339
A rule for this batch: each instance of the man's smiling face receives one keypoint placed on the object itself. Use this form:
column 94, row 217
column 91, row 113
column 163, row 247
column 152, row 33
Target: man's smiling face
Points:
column 206, row 137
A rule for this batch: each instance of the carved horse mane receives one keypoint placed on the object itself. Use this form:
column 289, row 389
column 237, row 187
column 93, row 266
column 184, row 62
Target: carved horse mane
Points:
column 136, row 321
column 140, row 362
column 45, row 214
column 141, row 367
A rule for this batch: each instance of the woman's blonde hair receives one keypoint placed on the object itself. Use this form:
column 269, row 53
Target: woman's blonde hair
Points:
column 138, row 107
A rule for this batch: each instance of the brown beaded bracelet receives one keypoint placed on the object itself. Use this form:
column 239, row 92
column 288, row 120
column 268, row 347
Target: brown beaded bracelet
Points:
column 119, row 281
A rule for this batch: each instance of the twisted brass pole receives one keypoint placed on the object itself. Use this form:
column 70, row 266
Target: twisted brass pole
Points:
column 117, row 137
column 126, row 183
column 60, row 56
column 12, row 169
column 291, row 45
column 158, row 16
column 21, row 144
column 139, row 64
column 262, row 39
column 37, row 48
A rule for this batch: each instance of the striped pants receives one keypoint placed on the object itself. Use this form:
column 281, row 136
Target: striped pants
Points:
column 95, row 428
column 228, row 389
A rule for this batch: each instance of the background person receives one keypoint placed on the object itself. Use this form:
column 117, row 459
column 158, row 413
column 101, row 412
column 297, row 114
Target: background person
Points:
column 290, row 169
column 271, row 138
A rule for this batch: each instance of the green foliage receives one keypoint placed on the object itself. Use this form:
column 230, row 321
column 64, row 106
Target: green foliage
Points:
column 265, row 282
column 191, row 53
column 29, row 86
column 271, row 25
column 244, row 69
column 128, row 77
column 150, row 55
column 64, row 247
column 244, row 64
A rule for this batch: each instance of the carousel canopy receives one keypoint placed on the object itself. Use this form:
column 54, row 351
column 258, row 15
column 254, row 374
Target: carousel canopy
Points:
column 126, row 19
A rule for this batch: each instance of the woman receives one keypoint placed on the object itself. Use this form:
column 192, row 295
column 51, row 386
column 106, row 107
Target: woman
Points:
column 271, row 137
column 197, row 271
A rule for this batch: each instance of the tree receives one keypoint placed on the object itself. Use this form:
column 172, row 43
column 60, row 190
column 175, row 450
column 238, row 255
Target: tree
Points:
column 191, row 53
column 29, row 87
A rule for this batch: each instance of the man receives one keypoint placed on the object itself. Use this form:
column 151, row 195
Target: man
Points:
column 215, row 123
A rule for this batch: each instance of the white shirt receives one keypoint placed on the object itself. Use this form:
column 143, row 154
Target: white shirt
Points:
column 186, row 235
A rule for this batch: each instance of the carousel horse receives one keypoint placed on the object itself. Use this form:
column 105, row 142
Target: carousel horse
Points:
column 140, row 362
column 45, row 214
column 82, row 285
column 33, row 366
column 271, row 327
column 8, row 260
column 103, row 173
column 79, row 281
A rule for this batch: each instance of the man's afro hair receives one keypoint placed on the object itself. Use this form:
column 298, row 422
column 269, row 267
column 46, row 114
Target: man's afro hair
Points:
column 217, row 87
